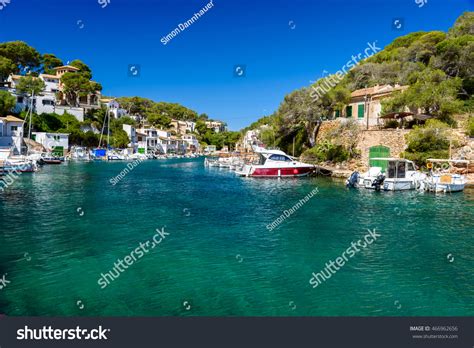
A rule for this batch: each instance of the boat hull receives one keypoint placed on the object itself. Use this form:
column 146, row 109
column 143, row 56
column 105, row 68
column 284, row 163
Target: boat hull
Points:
column 281, row 172
column 398, row 185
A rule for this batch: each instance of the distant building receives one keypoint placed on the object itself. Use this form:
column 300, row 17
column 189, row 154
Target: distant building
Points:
column 51, row 99
column 250, row 140
column 131, row 132
column 56, row 143
column 365, row 105
column 152, row 140
column 217, row 126
column 183, row 127
column 210, row 148
column 115, row 111
column 11, row 134
column 193, row 143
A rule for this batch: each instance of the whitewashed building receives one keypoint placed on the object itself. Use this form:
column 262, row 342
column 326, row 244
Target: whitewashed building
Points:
column 115, row 111
column 57, row 143
column 183, row 127
column 150, row 140
column 217, row 126
column 192, row 142
column 11, row 134
column 131, row 133
column 51, row 99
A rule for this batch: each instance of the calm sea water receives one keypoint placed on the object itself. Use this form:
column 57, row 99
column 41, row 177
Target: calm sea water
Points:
column 62, row 227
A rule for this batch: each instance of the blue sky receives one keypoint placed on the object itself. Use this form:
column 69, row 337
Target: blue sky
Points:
column 283, row 44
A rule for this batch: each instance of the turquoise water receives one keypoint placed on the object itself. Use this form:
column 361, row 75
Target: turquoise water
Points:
column 62, row 227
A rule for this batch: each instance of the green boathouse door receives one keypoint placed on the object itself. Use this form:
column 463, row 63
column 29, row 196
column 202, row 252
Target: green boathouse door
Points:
column 379, row 151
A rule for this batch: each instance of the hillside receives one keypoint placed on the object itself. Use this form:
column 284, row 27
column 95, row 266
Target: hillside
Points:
column 436, row 70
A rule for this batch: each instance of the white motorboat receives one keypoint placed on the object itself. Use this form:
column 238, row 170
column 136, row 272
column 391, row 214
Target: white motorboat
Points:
column 372, row 179
column 401, row 174
column 80, row 154
column 275, row 163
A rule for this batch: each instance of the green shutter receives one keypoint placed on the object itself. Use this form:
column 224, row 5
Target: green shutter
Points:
column 360, row 111
column 337, row 113
column 349, row 111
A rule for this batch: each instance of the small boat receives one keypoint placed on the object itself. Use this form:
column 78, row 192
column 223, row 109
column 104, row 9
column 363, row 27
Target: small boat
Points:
column 401, row 174
column 80, row 154
column 51, row 161
column 48, row 158
column 372, row 179
column 443, row 180
column 276, row 164
column 20, row 166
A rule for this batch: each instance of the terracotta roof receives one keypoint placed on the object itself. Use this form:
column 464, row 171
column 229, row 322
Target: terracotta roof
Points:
column 377, row 90
column 17, row 77
column 11, row 118
column 50, row 76
column 67, row 67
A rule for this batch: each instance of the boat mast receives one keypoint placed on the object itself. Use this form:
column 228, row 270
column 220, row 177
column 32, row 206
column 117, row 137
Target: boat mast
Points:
column 108, row 129
column 103, row 126
column 31, row 114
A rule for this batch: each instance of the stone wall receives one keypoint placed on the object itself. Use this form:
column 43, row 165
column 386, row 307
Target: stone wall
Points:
column 392, row 138
column 365, row 139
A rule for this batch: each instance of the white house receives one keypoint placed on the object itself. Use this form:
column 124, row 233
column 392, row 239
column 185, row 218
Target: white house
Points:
column 57, row 143
column 365, row 104
column 193, row 143
column 210, row 148
column 183, row 127
column 131, row 132
column 217, row 126
column 150, row 140
column 115, row 111
column 51, row 99
column 11, row 134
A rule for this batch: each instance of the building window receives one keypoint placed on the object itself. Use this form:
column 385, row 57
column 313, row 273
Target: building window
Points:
column 349, row 111
column 56, row 137
column 360, row 111
column 337, row 113
column 14, row 128
column 20, row 100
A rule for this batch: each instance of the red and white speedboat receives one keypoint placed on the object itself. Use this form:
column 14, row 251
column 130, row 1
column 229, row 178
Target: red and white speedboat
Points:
column 275, row 163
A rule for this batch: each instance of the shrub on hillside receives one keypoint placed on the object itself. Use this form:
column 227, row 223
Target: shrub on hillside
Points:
column 428, row 141
column 391, row 124
column 327, row 151
column 470, row 126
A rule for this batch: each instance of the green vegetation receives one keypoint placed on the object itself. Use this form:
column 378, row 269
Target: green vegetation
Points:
column 30, row 85
column 327, row 151
column 17, row 57
column 7, row 103
column 50, row 61
column 428, row 141
column 470, row 126
column 437, row 67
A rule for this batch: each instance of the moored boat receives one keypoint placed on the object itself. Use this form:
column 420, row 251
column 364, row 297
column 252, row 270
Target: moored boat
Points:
column 441, row 180
column 275, row 163
column 399, row 175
